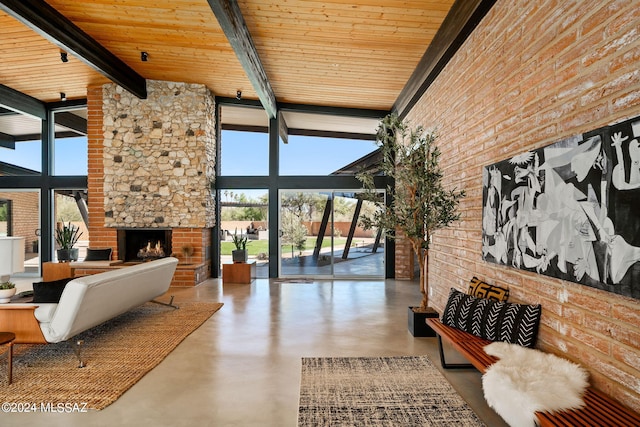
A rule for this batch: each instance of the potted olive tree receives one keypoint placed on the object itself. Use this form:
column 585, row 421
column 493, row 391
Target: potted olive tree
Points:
column 67, row 236
column 419, row 202
column 240, row 242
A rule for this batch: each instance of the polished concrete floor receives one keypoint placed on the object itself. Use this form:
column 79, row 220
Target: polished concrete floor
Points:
column 242, row 367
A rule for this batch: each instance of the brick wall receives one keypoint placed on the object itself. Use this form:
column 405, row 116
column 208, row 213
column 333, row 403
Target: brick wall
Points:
column 100, row 237
column 405, row 259
column 532, row 73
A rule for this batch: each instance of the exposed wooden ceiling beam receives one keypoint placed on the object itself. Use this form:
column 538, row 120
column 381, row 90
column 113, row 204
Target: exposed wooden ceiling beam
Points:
column 337, row 111
column 232, row 22
column 53, row 26
column 38, row 136
column 283, row 129
column 7, row 112
column 17, row 101
column 459, row 23
column 7, row 141
column 304, row 132
column 72, row 122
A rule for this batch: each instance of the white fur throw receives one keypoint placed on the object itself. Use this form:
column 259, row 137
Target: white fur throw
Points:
column 525, row 381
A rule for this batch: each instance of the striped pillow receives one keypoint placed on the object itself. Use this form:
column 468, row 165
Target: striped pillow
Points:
column 493, row 320
column 481, row 289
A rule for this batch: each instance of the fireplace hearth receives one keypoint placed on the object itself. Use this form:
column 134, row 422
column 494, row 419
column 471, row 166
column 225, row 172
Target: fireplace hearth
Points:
column 143, row 244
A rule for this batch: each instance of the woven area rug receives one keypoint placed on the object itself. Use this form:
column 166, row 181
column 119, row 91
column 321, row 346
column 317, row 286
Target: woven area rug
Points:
column 117, row 354
column 379, row 391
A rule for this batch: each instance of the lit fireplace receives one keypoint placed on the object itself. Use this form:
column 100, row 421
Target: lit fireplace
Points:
column 143, row 244
column 151, row 252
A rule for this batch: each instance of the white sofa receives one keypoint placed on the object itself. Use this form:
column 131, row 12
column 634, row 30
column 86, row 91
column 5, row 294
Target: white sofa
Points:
column 87, row 302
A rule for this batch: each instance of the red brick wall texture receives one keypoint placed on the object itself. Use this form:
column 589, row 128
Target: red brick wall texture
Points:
column 532, row 73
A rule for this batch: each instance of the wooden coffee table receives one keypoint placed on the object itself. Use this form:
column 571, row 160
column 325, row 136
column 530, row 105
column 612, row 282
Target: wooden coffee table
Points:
column 7, row 338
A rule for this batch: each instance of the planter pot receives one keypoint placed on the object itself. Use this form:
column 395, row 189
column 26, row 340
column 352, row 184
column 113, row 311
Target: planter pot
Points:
column 6, row 294
column 417, row 322
column 67, row 255
column 239, row 255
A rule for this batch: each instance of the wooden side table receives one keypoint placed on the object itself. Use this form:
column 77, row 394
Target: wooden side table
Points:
column 56, row 271
column 7, row 338
column 240, row 272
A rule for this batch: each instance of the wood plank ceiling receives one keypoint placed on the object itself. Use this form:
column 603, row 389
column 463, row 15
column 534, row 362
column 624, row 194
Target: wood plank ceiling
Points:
column 313, row 52
column 324, row 53
column 357, row 54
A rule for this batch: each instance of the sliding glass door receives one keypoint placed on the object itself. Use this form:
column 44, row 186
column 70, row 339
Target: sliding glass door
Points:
column 321, row 235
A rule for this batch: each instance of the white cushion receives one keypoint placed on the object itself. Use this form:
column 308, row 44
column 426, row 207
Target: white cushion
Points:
column 45, row 312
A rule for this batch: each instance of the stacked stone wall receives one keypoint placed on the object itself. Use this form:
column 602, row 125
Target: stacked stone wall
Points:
column 159, row 156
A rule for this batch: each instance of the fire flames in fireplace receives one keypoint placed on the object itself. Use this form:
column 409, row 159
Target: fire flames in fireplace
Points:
column 136, row 244
column 151, row 252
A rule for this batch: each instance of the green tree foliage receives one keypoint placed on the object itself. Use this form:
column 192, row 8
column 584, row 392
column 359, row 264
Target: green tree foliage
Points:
column 294, row 232
column 244, row 211
column 67, row 209
column 297, row 208
column 420, row 203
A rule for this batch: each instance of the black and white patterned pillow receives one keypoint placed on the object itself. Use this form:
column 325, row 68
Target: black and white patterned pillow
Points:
column 493, row 320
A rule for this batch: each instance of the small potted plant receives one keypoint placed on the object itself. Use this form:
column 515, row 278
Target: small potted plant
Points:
column 67, row 236
column 240, row 242
column 7, row 290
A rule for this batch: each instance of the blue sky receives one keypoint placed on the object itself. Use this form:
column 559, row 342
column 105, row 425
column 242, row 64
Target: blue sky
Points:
column 70, row 156
column 247, row 153
column 243, row 153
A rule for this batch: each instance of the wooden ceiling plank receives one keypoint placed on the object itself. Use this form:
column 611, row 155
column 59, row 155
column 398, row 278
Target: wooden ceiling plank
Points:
column 383, row 18
column 232, row 22
column 56, row 28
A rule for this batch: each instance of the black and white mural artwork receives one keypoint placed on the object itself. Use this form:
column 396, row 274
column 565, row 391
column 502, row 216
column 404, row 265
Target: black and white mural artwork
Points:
column 570, row 210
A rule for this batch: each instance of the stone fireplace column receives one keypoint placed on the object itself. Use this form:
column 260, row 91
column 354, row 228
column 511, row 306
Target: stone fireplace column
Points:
column 152, row 165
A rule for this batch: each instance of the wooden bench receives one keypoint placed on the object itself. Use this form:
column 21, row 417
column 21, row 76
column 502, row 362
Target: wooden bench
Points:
column 599, row 410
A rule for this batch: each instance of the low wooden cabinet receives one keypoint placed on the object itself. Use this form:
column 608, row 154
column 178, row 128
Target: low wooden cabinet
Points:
column 56, row 271
column 239, row 272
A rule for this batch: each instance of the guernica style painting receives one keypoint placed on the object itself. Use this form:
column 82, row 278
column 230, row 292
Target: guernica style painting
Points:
column 570, row 210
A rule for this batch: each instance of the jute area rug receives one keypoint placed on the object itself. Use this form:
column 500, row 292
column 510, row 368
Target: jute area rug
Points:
column 379, row 391
column 117, row 354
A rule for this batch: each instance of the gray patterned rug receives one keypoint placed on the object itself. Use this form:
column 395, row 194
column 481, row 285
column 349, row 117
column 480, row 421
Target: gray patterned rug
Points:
column 379, row 391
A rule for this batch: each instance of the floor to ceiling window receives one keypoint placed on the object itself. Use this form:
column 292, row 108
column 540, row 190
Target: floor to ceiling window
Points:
column 21, row 159
column 299, row 199
column 43, row 174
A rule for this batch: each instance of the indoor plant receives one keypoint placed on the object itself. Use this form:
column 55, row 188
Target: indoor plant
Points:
column 240, row 242
column 67, row 236
column 7, row 290
column 420, row 203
